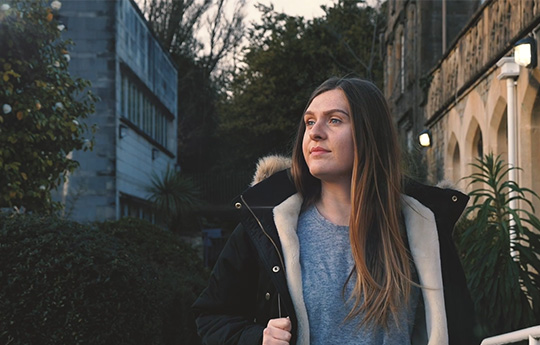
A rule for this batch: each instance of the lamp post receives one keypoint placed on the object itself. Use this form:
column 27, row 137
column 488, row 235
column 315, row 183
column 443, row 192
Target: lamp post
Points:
column 525, row 54
column 510, row 72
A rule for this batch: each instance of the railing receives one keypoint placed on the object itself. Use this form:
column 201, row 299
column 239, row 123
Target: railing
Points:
column 532, row 334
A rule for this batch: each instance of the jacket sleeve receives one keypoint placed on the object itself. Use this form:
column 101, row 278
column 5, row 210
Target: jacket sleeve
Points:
column 225, row 310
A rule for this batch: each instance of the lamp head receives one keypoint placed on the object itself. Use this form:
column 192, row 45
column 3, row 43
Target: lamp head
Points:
column 525, row 53
column 424, row 138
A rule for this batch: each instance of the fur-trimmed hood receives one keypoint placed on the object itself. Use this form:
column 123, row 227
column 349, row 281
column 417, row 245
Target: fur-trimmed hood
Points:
column 268, row 166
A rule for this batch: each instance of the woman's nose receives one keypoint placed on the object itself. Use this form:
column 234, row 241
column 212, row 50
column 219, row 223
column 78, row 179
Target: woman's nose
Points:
column 317, row 131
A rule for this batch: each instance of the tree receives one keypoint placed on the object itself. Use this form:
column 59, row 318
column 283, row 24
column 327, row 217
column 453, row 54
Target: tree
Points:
column 200, row 36
column 286, row 58
column 174, row 22
column 42, row 105
column 504, row 287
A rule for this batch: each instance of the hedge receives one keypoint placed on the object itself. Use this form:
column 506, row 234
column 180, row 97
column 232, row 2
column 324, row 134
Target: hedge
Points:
column 121, row 282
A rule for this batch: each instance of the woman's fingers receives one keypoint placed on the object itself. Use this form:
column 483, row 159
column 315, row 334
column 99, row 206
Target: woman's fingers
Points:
column 283, row 323
column 277, row 332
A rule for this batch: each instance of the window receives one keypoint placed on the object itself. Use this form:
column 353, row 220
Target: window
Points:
column 136, row 208
column 140, row 109
column 402, row 63
column 479, row 144
column 410, row 140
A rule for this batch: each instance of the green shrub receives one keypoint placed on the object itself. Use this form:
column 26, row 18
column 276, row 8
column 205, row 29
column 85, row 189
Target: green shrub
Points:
column 175, row 197
column 505, row 288
column 122, row 282
column 42, row 106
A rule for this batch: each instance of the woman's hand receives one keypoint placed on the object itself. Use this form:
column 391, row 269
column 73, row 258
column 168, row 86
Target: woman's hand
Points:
column 277, row 332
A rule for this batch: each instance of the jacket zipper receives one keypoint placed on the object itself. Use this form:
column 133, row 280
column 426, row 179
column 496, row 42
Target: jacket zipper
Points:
column 273, row 243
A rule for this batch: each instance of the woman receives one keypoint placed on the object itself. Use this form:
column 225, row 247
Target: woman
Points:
column 337, row 249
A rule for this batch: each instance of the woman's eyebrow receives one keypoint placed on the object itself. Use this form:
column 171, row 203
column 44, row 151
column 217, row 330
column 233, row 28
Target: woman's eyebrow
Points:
column 328, row 112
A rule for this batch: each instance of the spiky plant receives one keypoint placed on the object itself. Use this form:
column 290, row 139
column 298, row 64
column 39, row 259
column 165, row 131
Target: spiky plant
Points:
column 175, row 197
column 505, row 287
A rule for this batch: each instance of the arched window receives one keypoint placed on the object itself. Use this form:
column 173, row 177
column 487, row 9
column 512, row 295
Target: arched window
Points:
column 456, row 165
column 478, row 144
column 502, row 138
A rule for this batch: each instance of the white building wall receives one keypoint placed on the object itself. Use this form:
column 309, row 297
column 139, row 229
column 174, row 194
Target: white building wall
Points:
column 140, row 55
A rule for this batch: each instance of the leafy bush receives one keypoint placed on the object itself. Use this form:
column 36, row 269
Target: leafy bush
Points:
column 505, row 288
column 41, row 105
column 121, row 282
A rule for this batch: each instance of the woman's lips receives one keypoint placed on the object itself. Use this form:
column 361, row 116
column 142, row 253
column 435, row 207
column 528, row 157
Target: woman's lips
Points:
column 318, row 150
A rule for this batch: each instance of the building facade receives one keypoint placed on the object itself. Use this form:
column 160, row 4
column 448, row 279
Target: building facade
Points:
column 136, row 116
column 465, row 98
column 416, row 39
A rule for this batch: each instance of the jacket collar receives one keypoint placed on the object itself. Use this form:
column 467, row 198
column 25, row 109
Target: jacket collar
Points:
column 270, row 192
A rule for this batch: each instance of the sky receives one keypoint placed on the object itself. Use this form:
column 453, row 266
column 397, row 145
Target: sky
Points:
column 306, row 8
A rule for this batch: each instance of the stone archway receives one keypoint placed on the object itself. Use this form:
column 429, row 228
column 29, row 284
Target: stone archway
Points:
column 535, row 149
column 497, row 130
column 501, row 144
column 474, row 144
column 454, row 158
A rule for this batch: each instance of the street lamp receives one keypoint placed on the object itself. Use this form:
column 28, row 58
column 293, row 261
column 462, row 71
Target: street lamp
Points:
column 525, row 52
column 424, row 138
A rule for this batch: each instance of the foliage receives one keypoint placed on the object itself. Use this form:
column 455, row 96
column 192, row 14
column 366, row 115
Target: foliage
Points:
column 202, row 65
column 505, row 289
column 197, row 122
column 121, row 282
column 42, row 105
column 175, row 22
column 175, row 197
column 286, row 58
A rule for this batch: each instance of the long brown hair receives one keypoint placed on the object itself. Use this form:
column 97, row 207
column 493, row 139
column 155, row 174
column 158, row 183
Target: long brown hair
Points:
column 382, row 265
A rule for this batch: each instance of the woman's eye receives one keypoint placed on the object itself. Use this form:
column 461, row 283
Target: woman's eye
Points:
column 310, row 122
column 334, row 120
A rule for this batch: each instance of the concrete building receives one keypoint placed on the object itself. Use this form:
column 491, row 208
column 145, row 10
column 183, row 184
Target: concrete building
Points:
column 136, row 116
column 465, row 96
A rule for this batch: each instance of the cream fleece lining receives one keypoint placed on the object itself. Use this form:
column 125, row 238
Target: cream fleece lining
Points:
column 424, row 244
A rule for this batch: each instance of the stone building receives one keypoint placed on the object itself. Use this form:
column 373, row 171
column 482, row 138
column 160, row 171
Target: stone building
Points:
column 136, row 116
column 464, row 94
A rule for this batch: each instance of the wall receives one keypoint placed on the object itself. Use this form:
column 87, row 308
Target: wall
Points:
column 140, row 56
column 466, row 100
column 90, row 191
column 111, row 39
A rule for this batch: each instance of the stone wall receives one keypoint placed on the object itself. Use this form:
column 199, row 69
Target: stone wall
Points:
column 489, row 37
column 90, row 193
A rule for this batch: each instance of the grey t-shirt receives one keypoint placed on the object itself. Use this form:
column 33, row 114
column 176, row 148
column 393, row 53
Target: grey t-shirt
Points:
column 326, row 262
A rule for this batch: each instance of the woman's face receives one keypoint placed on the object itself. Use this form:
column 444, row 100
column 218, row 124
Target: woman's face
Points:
column 328, row 145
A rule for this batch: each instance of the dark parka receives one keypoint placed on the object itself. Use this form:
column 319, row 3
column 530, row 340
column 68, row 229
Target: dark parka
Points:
column 248, row 285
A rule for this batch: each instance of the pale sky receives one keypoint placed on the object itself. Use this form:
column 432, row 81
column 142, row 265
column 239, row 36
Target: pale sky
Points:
column 306, row 8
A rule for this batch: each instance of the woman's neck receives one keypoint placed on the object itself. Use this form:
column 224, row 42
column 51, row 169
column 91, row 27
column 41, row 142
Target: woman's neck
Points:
column 335, row 202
